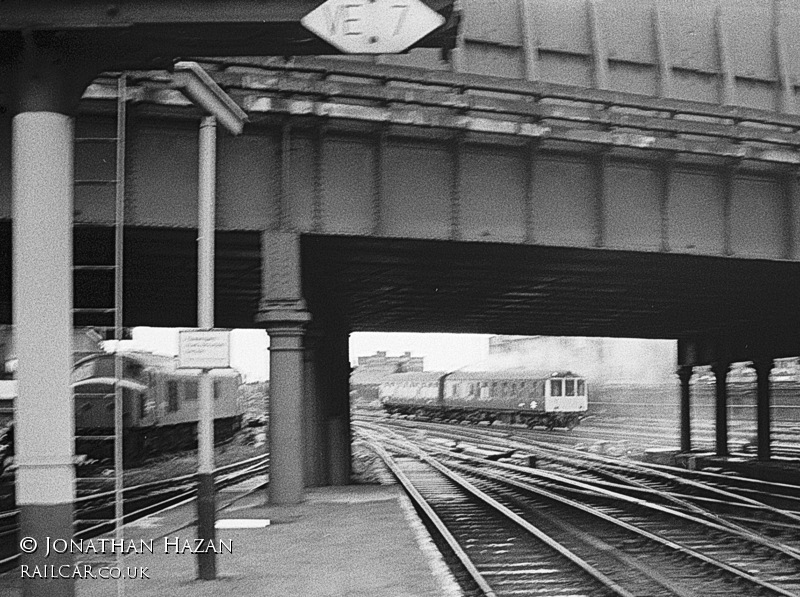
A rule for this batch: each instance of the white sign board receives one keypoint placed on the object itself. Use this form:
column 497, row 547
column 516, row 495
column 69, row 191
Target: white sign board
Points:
column 372, row 26
column 204, row 349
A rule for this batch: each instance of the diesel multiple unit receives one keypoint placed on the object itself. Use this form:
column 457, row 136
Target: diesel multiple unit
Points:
column 555, row 399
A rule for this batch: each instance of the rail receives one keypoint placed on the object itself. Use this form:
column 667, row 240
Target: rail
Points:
column 224, row 477
column 498, row 473
column 506, row 513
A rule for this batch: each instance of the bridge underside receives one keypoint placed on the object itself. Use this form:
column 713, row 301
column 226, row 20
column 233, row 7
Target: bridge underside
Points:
column 432, row 286
column 383, row 284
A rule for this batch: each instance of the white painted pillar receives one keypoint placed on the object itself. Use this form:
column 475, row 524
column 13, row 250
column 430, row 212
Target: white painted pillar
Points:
column 42, row 198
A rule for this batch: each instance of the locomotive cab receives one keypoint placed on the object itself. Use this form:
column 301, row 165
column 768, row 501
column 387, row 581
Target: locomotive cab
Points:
column 565, row 392
column 160, row 404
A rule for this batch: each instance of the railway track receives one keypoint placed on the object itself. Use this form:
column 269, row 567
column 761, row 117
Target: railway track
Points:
column 496, row 552
column 644, row 432
column 770, row 509
column 94, row 508
column 637, row 542
column 635, row 435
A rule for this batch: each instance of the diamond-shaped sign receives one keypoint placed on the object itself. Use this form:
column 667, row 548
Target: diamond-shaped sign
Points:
column 372, row 26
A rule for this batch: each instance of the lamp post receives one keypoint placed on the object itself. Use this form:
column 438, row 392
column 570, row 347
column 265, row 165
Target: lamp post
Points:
column 199, row 87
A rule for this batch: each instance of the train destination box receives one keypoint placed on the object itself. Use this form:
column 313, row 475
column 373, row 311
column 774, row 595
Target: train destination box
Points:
column 204, row 349
column 372, row 26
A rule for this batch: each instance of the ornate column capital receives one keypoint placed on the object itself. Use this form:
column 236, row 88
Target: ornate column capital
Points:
column 763, row 365
column 283, row 316
column 282, row 310
column 721, row 368
column 685, row 373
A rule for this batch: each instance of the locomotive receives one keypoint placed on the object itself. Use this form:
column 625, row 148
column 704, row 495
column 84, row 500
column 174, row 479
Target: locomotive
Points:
column 520, row 395
column 160, row 404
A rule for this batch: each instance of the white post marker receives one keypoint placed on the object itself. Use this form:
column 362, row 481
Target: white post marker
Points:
column 205, row 350
column 206, row 228
column 200, row 87
column 372, row 26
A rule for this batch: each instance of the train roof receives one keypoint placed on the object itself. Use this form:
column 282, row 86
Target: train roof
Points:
column 508, row 366
column 149, row 360
column 520, row 373
column 414, row 376
column 145, row 359
column 363, row 378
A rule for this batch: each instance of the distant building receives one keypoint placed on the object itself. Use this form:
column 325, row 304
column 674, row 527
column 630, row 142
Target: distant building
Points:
column 373, row 369
column 404, row 363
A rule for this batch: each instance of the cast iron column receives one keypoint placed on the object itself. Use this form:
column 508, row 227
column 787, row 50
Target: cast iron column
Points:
column 315, row 441
column 763, row 366
column 685, row 374
column 283, row 313
column 720, row 370
column 286, row 406
column 339, row 439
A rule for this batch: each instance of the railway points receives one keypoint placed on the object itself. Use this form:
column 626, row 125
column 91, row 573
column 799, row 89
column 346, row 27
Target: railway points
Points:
column 689, row 529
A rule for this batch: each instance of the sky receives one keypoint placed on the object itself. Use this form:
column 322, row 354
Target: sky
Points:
column 250, row 354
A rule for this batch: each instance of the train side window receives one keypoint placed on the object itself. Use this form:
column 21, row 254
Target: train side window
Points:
column 581, row 388
column 555, row 387
column 569, row 387
column 132, row 369
column 172, row 396
column 190, row 390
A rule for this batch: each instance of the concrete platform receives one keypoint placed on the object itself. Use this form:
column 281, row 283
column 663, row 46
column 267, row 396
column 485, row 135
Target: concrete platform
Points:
column 354, row 541
column 777, row 470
